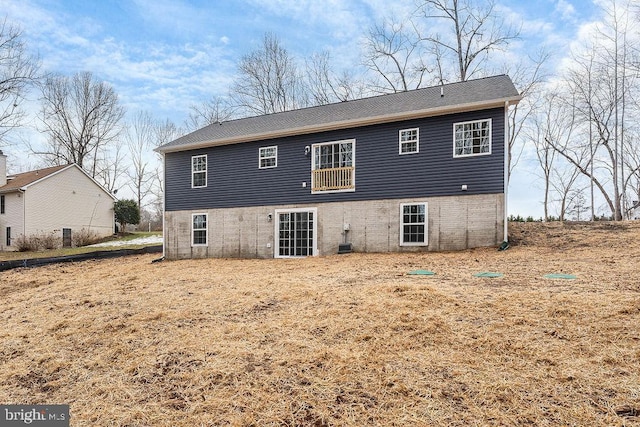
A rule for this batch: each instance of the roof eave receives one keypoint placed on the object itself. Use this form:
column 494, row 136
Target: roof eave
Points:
column 345, row 124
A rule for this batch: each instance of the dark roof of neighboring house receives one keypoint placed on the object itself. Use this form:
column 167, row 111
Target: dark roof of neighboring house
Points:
column 471, row 95
column 17, row 181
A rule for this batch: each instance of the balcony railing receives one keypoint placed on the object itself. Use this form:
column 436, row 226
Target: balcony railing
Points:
column 333, row 179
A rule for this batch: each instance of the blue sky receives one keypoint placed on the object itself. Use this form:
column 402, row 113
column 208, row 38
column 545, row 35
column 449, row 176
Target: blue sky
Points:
column 162, row 56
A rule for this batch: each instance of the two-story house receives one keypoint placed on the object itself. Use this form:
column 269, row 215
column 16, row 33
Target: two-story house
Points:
column 418, row 170
column 61, row 200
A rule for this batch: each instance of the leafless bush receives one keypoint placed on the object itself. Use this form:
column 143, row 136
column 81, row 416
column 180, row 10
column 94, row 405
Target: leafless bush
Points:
column 48, row 241
column 35, row 242
column 26, row 244
column 84, row 237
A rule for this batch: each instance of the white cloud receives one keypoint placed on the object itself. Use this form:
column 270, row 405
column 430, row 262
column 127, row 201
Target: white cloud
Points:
column 566, row 10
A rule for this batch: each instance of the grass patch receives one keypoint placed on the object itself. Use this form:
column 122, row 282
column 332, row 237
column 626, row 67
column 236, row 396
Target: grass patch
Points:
column 10, row 256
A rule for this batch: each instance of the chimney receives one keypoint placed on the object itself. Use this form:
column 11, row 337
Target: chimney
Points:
column 3, row 169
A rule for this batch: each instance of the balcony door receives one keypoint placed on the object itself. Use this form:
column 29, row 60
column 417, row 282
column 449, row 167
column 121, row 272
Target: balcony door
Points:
column 333, row 166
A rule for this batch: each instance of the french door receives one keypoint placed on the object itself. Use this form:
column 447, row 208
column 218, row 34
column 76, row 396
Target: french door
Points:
column 296, row 233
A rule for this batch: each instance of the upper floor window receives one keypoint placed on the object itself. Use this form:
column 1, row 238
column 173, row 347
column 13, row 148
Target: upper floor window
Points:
column 333, row 166
column 408, row 141
column 199, row 230
column 199, row 171
column 413, row 224
column 2, row 204
column 268, row 157
column 472, row 138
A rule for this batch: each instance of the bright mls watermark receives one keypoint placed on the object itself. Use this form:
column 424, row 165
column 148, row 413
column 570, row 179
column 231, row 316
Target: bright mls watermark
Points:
column 34, row 415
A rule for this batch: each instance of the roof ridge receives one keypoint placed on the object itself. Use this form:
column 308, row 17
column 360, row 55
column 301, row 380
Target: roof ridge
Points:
column 467, row 95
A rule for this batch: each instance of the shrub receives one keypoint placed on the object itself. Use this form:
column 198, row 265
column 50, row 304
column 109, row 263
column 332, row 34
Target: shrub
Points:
column 84, row 237
column 37, row 242
column 49, row 241
column 127, row 212
column 26, row 244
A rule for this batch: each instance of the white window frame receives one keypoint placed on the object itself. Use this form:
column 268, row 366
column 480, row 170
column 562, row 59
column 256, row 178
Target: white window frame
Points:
column 205, row 229
column 353, row 164
column 276, row 246
column 425, row 224
column 402, row 142
column 471, row 122
column 194, row 171
column 262, row 157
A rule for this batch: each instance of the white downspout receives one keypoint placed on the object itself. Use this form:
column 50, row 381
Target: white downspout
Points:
column 164, row 197
column 506, row 170
column 23, row 190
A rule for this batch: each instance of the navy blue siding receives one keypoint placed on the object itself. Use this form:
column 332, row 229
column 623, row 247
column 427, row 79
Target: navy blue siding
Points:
column 234, row 180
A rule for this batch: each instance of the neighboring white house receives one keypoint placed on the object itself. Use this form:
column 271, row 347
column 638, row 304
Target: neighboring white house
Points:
column 60, row 200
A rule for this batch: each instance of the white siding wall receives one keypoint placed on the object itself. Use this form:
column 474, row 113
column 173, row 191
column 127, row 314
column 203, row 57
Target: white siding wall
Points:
column 68, row 199
column 454, row 223
column 13, row 217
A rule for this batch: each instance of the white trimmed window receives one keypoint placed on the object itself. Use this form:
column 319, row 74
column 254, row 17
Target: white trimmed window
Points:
column 408, row 141
column 333, row 166
column 472, row 138
column 199, row 171
column 413, row 224
column 268, row 157
column 199, row 229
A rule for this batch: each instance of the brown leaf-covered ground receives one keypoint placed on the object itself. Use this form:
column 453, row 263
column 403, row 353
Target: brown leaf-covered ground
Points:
column 345, row 340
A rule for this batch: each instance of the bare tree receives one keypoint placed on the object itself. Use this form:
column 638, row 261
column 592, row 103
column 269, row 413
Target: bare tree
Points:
column 527, row 77
column 112, row 165
column 140, row 139
column 164, row 131
column 599, row 86
column 268, row 80
column 563, row 180
column 632, row 160
column 80, row 116
column 215, row 110
column 553, row 125
column 326, row 86
column 576, row 204
column 18, row 70
column 616, row 48
column 472, row 32
column 393, row 52
column 592, row 100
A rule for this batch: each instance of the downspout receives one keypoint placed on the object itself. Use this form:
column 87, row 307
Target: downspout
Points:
column 164, row 197
column 506, row 170
column 24, row 210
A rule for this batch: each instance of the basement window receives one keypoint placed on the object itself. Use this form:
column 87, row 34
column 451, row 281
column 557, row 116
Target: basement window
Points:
column 413, row 224
column 199, row 229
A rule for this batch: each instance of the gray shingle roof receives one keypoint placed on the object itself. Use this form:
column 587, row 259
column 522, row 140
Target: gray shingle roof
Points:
column 463, row 96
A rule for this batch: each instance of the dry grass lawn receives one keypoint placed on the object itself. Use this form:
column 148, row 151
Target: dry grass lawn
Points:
column 344, row 340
